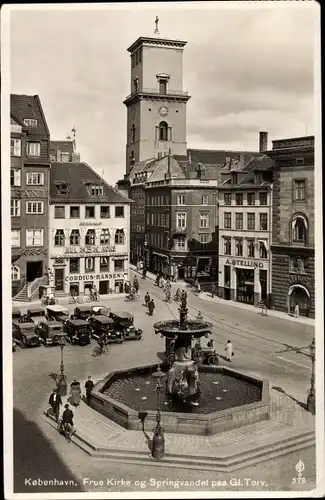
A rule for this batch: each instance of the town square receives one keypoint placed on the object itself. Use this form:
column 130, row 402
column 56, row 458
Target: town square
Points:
column 165, row 260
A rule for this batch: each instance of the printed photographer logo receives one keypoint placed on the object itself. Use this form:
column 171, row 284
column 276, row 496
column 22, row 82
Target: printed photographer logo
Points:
column 300, row 479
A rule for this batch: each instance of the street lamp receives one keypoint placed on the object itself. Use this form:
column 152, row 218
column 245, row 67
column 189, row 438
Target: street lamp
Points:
column 158, row 440
column 62, row 378
column 311, row 403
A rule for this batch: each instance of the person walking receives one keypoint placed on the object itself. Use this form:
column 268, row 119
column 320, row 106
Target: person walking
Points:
column 75, row 393
column 229, row 349
column 89, row 385
column 213, row 290
column 67, row 419
column 147, row 299
column 297, row 311
column 55, row 401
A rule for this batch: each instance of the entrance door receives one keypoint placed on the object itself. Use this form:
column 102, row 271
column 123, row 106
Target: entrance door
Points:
column 263, row 281
column 103, row 287
column 59, row 279
column 34, row 270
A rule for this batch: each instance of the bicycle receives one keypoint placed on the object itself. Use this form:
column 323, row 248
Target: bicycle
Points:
column 75, row 299
column 65, row 429
column 92, row 298
column 48, row 302
column 98, row 350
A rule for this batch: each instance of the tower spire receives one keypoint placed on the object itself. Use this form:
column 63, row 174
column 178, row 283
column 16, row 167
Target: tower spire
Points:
column 157, row 28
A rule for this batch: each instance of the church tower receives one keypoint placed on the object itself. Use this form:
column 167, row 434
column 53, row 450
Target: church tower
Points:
column 156, row 106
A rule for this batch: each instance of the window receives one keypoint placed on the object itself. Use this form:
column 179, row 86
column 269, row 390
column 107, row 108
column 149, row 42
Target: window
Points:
column 203, row 238
column 263, row 222
column 250, row 248
column 181, row 199
column 14, row 207
column 90, row 212
column 205, row 199
column 147, row 218
column 90, row 237
column 74, row 265
column 30, row 122
column 59, row 212
column 297, row 265
column 118, row 265
column 59, row 238
column 89, row 264
column 104, row 212
column 104, row 264
column 299, row 190
column 34, row 237
column 15, row 177
column 239, row 198
column 119, row 211
column 74, row 212
column 227, row 246
column 227, row 220
column 65, row 157
column 163, row 131
column 181, row 243
column 239, row 220
column 15, row 237
column 33, row 149
column 35, row 179
column 263, row 198
column 133, row 133
column 104, row 237
column 63, row 188
column 162, row 86
column 251, row 221
column 204, row 221
column 227, row 198
column 299, row 229
column 15, row 147
column 181, row 220
column 119, row 237
column 97, row 191
column 239, row 247
column 250, row 198
column 75, row 237
column 34, row 207
column 15, row 273
column 263, row 250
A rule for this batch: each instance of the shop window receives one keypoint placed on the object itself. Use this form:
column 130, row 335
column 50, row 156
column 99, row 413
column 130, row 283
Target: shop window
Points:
column 74, row 265
column 239, row 198
column 89, row 264
column 299, row 229
column 104, row 237
column 227, row 246
column 227, row 220
column 250, row 198
column 239, row 220
column 74, row 289
column 104, row 212
column 118, row 265
column 119, row 237
column 90, row 237
column 119, row 211
column 75, row 237
column 263, row 198
column 90, row 212
column 263, row 222
column 74, row 212
column 104, row 264
column 15, row 273
column 227, row 198
column 238, row 247
column 251, row 221
column 250, row 248
column 59, row 238
column 59, row 212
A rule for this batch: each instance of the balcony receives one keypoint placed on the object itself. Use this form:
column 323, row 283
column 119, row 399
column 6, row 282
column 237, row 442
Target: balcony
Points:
column 156, row 92
column 179, row 230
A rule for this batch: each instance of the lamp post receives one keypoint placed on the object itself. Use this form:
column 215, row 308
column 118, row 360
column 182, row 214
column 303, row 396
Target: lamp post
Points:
column 62, row 378
column 311, row 400
column 158, row 440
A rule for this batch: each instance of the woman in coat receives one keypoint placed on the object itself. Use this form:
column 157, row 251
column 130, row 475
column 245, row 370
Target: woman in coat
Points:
column 75, row 393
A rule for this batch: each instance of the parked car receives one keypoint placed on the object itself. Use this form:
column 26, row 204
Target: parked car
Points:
column 123, row 322
column 100, row 311
column 16, row 314
column 205, row 355
column 104, row 324
column 82, row 312
column 24, row 334
column 35, row 314
column 78, row 331
column 57, row 313
column 50, row 332
column 132, row 333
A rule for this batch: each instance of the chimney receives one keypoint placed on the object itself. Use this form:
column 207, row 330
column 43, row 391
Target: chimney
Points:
column 263, row 142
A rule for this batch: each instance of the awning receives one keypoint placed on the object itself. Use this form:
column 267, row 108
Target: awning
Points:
column 266, row 246
column 298, row 286
column 160, row 255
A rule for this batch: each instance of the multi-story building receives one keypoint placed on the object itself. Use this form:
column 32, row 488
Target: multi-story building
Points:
column 64, row 151
column 245, row 229
column 293, row 245
column 89, row 231
column 30, row 165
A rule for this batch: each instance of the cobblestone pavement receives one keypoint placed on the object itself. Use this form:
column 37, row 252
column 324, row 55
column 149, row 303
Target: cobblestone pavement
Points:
column 41, row 453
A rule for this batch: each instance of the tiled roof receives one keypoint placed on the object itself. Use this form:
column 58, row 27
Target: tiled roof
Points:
column 260, row 163
column 218, row 157
column 64, row 146
column 24, row 106
column 77, row 176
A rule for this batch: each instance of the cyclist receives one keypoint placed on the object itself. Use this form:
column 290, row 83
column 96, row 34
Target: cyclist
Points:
column 102, row 341
column 67, row 419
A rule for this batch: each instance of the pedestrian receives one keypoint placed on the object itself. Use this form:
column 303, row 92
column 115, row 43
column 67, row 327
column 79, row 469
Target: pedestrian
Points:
column 55, row 401
column 67, row 419
column 263, row 308
column 89, row 385
column 95, row 293
column 229, row 350
column 199, row 317
column 75, row 393
column 297, row 311
column 213, row 290
column 147, row 299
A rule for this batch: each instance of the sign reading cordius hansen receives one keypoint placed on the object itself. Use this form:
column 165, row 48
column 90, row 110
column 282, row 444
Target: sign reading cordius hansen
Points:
column 90, row 249
column 102, row 276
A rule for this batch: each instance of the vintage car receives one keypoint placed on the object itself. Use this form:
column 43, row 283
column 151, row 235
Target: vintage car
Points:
column 24, row 334
column 78, row 331
column 104, row 324
column 123, row 322
column 49, row 332
column 16, row 314
column 82, row 312
column 57, row 313
column 205, row 355
column 35, row 314
column 100, row 310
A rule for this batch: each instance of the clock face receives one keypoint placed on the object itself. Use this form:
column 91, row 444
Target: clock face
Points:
column 163, row 111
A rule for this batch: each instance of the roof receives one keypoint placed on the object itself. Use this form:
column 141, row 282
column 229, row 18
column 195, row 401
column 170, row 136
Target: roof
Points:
column 78, row 322
column 261, row 163
column 218, row 157
column 25, row 106
column 155, row 41
column 57, row 308
column 78, row 177
column 64, row 146
column 103, row 319
column 122, row 314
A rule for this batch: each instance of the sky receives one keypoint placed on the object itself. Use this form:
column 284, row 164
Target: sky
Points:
column 248, row 67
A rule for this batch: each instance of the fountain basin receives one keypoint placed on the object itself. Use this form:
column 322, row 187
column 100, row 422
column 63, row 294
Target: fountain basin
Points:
column 245, row 401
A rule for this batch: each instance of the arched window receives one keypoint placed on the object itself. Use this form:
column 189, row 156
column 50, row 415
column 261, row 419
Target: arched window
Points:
column 75, row 237
column 59, row 238
column 90, row 237
column 133, row 133
column 119, row 237
column 15, row 273
column 104, row 237
column 299, row 228
column 163, row 131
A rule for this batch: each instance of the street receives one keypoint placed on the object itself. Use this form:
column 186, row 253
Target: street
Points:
column 259, row 347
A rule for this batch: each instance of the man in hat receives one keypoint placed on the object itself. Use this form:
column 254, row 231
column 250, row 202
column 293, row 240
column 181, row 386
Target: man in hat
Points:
column 89, row 385
column 67, row 418
column 55, row 401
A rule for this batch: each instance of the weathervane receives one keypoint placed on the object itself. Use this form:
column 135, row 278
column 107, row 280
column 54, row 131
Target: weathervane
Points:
column 157, row 28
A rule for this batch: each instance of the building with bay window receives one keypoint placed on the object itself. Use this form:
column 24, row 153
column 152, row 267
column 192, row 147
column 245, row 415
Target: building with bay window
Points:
column 89, row 232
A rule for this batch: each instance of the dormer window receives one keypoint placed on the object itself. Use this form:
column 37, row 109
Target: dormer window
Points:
column 97, row 191
column 63, row 188
column 30, row 122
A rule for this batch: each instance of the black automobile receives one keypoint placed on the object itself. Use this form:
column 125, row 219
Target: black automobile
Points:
column 104, row 324
column 57, row 313
column 123, row 322
column 49, row 332
column 35, row 314
column 82, row 312
column 24, row 334
column 100, row 310
column 78, row 331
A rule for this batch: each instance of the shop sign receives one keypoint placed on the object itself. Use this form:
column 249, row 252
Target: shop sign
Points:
column 102, row 276
column 32, row 193
column 90, row 249
column 34, row 251
column 247, row 263
column 298, row 278
column 90, row 224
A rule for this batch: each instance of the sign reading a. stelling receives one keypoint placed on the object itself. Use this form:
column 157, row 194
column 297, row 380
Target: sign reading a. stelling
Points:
column 245, row 263
column 101, row 276
column 90, row 249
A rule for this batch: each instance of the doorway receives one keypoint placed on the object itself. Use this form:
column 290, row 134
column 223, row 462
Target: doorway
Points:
column 103, row 287
column 263, row 282
column 34, row 270
column 59, row 279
